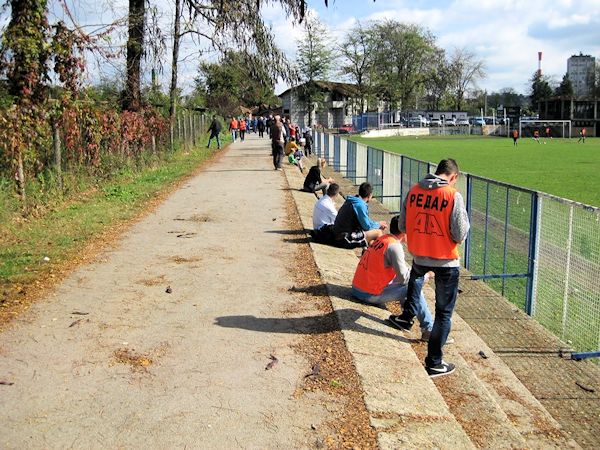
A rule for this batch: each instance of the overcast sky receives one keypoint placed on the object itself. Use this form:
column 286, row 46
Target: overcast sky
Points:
column 506, row 34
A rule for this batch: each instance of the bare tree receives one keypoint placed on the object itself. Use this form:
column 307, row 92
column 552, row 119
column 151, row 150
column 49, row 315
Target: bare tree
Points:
column 465, row 70
column 356, row 63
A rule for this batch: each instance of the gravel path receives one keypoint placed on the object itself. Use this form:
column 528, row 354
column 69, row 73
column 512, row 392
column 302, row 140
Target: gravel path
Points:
column 148, row 346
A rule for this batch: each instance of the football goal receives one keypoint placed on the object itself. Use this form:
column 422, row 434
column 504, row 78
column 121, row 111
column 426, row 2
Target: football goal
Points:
column 546, row 128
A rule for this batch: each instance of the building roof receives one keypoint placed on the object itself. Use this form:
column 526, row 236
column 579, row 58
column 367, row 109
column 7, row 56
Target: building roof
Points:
column 347, row 89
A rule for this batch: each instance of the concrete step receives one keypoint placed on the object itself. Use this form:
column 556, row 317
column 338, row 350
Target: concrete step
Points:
column 483, row 405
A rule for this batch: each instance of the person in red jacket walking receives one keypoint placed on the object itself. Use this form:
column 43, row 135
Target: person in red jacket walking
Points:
column 243, row 127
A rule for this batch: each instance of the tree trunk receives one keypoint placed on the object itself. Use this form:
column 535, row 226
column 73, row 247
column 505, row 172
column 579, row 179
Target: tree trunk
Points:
column 20, row 177
column 57, row 152
column 132, row 97
column 176, row 39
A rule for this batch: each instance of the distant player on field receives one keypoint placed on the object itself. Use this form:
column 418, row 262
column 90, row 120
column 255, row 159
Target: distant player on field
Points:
column 515, row 136
column 581, row 136
column 548, row 133
column 536, row 136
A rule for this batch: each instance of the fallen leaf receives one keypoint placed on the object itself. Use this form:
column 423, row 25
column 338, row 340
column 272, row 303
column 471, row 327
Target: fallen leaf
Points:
column 79, row 313
column 75, row 323
column 274, row 361
column 482, row 354
column 6, row 383
column 168, row 290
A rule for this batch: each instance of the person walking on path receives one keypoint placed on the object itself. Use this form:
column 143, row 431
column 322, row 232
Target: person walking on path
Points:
column 214, row 129
column 308, row 142
column 582, row 134
column 353, row 227
column 382, row 276
column 242, row 126
column 261, row 127
column 436, row 222
column 277, row 142
column 233, row 128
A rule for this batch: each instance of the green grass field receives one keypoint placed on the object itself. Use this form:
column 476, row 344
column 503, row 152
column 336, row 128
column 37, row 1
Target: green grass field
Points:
column 560, row 167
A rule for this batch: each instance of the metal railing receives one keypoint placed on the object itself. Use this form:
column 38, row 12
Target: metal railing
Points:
column 539, row 251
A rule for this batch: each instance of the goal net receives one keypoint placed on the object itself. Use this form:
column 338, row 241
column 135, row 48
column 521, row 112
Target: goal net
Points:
column 545, row 128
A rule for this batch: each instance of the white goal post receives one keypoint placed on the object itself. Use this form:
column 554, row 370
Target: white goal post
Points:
column 556, row 126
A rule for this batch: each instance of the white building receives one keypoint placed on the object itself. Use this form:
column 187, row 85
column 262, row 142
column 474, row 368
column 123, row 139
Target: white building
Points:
column 579, row 69
column 340, row 103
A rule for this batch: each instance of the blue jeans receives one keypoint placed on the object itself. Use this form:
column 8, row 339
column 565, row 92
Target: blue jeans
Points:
column 233, row 135
column 396, row 291
column 218, row 141
column 446, row 291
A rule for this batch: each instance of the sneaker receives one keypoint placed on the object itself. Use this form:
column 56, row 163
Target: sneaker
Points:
column 440, row 370
column 400, row 323
column 426, row 334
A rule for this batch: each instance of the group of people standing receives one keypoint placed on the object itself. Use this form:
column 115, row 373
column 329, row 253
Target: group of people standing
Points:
column 433, row 222
column 287, row 139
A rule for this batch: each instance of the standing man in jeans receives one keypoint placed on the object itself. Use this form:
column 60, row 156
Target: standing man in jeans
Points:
column 277, row 141
column 436, row 222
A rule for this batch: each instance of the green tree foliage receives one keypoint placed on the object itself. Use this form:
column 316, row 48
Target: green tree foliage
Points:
column 540, row 90
column 437, row 81
column 565, row 88
column 402, row 55
column 25, row 52
column 315, row 60
column 356, row 63
column 236, row 80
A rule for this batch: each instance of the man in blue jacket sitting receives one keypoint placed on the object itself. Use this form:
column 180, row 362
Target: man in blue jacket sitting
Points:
column 353, row 227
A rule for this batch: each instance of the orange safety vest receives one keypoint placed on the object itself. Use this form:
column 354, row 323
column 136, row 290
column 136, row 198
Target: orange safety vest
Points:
column 371, row 275
column 428, row 214
column 234, row 124
column 515, row 134
column 242, row 125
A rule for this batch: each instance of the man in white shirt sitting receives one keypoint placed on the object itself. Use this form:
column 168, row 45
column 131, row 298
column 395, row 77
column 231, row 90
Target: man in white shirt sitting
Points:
column 324, row 212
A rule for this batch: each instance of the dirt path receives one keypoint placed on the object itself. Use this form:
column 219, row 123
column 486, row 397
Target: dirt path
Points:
column 113, row 360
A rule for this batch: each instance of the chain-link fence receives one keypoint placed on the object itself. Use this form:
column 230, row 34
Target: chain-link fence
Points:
column 539, row 251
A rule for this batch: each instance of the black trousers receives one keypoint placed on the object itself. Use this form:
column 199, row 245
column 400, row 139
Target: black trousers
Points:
column 277, row 151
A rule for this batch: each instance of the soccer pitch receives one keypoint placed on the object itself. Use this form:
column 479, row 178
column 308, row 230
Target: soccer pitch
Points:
column 561, row 167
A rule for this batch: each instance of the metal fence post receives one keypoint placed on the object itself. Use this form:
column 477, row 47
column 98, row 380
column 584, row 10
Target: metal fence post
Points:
column 467, row 256
column 567, row 274
column 534, row 236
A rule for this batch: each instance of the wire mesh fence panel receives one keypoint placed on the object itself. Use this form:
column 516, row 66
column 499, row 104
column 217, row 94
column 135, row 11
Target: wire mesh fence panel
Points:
column 567, row 294
column 343, row 155
column 392, row 172
column 361, row 164
column 499, row 240
column 375, row 171
column 351, row 162
column 336, row 153
column 412, row 171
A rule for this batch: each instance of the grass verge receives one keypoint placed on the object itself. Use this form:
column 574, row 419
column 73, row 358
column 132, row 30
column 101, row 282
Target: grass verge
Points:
column 35, row 253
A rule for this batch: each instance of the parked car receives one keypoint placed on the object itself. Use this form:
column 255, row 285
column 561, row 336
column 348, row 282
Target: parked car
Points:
column 418, row 122
column 462, row 122
column 450, row 122
column 435, row 123
column 346, row 129
column 477, row 121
